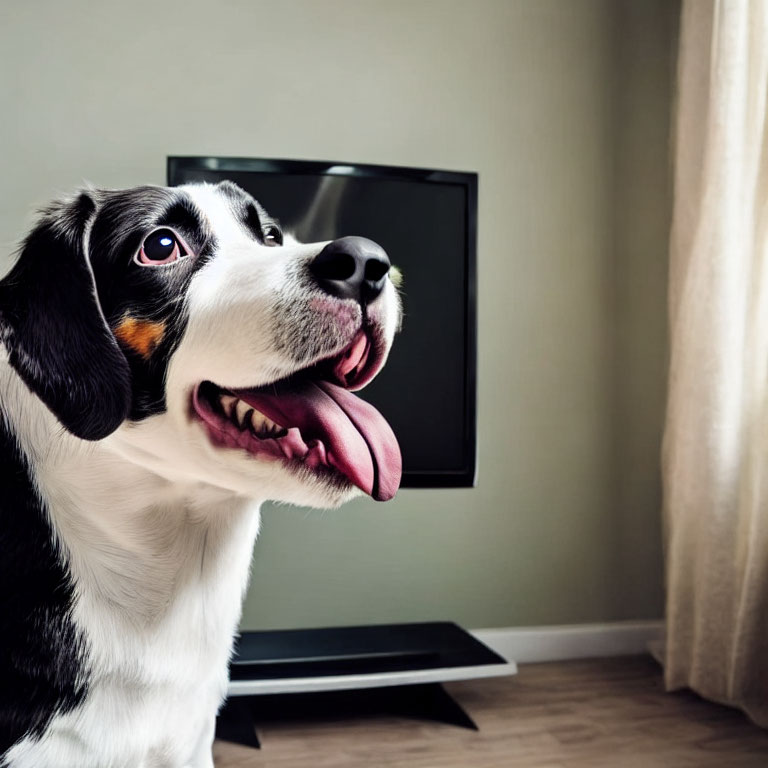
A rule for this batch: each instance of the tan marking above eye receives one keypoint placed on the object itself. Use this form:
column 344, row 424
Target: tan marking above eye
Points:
column 142, row 336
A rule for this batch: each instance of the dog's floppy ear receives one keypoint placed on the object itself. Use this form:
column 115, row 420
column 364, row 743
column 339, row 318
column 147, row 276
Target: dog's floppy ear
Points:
column 54, row 330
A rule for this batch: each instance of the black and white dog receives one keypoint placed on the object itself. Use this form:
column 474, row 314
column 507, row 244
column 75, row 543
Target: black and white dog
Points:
column 168, row 361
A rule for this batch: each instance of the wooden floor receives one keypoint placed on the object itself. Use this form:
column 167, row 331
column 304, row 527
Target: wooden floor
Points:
column 582, row 714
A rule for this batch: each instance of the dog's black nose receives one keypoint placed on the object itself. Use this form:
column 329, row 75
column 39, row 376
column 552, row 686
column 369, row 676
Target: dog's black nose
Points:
column 351, row 268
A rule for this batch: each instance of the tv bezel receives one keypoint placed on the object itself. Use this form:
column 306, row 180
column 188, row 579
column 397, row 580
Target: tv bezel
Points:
column 466, row 476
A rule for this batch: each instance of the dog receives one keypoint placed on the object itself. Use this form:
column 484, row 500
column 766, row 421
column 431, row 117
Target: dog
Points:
column 169, row 359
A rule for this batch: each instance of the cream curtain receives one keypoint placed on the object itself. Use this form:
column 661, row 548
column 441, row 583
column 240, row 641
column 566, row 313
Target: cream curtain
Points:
column 716, row 438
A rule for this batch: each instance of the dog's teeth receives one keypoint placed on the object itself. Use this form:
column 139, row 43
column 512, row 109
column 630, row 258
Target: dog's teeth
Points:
column 241, row 411
column 275, row 429
column 269, row 425
column 261, row 425
column 258, row 422
column 227, row 403
column 245, row 417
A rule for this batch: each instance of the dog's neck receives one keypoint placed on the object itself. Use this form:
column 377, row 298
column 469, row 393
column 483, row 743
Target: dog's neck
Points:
column 134, row 540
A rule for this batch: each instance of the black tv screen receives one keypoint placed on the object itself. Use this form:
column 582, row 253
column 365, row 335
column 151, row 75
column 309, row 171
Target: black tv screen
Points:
column 426, row 221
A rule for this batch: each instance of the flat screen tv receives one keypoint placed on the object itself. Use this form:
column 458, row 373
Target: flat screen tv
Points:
column 426, row 221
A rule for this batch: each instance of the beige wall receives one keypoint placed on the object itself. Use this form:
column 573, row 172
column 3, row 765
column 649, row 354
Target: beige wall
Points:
column 647, row 31
column 562, row 108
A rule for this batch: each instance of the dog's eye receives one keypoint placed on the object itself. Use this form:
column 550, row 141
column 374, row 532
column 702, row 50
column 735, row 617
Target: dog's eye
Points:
column 162, row 246
column 273, row 236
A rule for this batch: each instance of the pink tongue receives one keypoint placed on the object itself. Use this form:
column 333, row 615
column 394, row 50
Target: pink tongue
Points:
column 358, row 441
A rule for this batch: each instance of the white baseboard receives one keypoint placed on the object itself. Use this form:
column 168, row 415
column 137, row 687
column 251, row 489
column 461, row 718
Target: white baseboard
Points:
column 526, row 645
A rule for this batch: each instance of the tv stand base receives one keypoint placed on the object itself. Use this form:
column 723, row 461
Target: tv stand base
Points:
column 352, row 671
column 240, row 717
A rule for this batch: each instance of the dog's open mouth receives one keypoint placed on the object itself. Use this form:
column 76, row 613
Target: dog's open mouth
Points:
column 313, row 419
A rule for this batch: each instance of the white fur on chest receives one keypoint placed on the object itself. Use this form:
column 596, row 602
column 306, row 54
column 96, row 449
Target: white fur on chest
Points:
column 159, row 570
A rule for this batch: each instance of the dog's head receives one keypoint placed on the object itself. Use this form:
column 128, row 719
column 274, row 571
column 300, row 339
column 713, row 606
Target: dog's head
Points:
column 182, row 326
